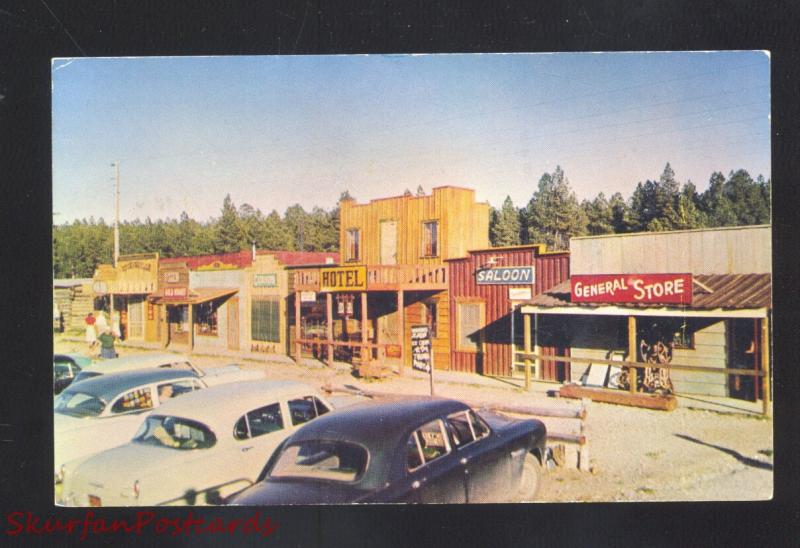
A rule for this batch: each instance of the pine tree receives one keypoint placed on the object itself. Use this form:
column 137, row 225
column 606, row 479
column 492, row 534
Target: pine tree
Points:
column 600, row 217
column 504, row 226
column 227, row 233
column 553, row 214
column 621, row 220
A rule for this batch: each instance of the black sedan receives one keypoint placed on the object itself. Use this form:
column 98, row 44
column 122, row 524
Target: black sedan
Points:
column 417, row 451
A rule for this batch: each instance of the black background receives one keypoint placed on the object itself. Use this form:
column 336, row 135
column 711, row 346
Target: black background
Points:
column 32, row 32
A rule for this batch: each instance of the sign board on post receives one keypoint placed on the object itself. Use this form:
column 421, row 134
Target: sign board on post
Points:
column 421, row 350
column 509, row 275
column 308, row 296
column 632, row 288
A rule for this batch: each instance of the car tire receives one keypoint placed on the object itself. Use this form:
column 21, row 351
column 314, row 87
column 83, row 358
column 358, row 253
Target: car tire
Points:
column 531, row 479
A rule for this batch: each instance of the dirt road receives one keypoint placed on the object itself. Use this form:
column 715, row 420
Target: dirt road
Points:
column 688, row 454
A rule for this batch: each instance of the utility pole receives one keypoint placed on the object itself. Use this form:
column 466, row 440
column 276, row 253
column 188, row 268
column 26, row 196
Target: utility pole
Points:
column 116, row 241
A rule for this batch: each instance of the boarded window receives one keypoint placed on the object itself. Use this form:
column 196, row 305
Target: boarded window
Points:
column 353, row 244
column 265, row 319
column 430, row 239
column 470, row 319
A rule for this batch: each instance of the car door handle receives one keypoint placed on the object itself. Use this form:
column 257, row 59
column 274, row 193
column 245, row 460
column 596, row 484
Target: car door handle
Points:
column 245, row 449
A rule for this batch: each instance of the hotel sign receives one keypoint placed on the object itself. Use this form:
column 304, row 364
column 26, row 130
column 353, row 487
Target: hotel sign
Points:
column 348, row 278
column 632, row 288
column 511, row 275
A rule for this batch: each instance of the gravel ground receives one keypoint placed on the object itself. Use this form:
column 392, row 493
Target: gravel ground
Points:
column 689, row 454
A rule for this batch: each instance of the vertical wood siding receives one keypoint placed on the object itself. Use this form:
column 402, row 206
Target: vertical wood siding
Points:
column 495, row 359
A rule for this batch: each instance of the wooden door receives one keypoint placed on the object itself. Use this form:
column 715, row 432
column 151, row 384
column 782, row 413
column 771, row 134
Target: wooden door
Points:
column 233, row 323
column 135, row 318
column 388, row 242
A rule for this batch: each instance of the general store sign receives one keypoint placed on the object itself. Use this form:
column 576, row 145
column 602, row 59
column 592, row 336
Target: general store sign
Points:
column 349, row 278
column 632, row 288
column 510, row 275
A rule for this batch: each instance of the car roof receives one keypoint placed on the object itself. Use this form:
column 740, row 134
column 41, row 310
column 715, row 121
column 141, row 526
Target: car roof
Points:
column 221, row 405
column 108, row 386
column 378, row 422
column 136, row 361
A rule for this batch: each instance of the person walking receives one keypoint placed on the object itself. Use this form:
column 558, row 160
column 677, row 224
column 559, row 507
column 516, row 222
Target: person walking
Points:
column 91, row 332
column 106, row 339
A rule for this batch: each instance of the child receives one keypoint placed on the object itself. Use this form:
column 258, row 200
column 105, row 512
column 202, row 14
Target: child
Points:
column 107, row 344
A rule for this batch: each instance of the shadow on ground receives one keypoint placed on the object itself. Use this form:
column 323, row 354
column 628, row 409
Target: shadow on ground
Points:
column 755, row 463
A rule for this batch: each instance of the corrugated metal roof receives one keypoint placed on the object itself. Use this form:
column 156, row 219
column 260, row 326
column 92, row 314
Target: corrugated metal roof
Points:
column 730, row 291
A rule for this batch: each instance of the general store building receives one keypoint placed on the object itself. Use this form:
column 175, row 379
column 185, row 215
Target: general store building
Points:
column 705, row 294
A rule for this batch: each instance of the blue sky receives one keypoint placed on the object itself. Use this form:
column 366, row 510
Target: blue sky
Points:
column 273, row 131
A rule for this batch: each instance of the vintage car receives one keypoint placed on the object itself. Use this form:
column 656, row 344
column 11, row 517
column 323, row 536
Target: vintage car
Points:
column 105, row 411
column 213, row 376
column 418, row 451
column 65, row 368
column 196, row 449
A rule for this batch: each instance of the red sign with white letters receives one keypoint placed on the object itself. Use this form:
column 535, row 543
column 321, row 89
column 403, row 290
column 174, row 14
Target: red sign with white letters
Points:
column 632, row 288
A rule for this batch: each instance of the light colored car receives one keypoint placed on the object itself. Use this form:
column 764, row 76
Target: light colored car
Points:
column 197, row 449
column 213, row 376
column 105, row 411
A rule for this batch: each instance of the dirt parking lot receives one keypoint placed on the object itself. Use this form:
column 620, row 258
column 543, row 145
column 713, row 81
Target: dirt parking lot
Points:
column 690, row 454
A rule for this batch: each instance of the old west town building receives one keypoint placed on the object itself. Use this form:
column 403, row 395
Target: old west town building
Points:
column 697, row 298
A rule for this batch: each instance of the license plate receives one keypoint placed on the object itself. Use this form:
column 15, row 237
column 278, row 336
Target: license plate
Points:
column 94, row 500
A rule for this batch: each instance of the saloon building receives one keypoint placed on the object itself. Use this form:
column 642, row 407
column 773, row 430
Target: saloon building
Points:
column 700, row 299
column 393, row 273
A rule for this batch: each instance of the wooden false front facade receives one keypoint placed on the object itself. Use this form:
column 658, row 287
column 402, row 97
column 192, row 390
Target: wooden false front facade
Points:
column 482, row 327
column 392, row 274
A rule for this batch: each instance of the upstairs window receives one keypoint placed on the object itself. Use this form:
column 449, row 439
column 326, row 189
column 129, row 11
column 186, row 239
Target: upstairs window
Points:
column 430, row 239
column 353, row 244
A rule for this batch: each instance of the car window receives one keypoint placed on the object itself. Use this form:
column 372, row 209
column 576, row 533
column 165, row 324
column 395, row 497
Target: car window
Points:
column 134, row 400
column 178, row 365
column 62, row 371
column 431, row 443
column 78, row 404
column 317, row 459
column 303, row 410
column 175, row 432
column 466, row 427
column 258, row 422
column 173, row 389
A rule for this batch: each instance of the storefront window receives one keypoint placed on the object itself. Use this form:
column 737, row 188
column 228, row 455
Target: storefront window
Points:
column 206, row 319
column 470, row 318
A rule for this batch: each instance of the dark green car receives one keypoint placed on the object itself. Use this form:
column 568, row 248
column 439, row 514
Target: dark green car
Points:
column 65, row 368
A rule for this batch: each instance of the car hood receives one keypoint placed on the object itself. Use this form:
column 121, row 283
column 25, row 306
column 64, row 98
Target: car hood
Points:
column 277, row 492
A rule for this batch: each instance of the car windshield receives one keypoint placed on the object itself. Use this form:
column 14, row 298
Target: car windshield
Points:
column 79, row 404
column 83, row 375
column 175, row 433
column 327, row 460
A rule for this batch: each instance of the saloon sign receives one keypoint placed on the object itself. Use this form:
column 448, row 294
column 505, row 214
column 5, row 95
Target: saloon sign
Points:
column 632, row 288
column 512, row 275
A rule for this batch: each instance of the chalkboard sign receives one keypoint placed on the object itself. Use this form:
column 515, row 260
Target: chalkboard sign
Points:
column 421, row 348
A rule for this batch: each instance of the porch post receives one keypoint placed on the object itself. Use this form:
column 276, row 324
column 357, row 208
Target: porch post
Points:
column 191, row 326
column 329, row 326
column 297, row 344
column 632, row 371
column 366, row 353
column 765, row 365
column 401, row 311
column 526, row 337
column 537, row 363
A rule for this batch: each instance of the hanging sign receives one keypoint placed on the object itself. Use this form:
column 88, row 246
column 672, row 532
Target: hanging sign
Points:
column 176, row 292
column 510, row 275
column 421, row 348
column 346, row 278
column 308, row 296
column 519, row 293
column 632, row 288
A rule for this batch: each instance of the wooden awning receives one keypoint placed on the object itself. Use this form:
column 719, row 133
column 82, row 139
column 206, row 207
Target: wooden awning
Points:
column 196, row 296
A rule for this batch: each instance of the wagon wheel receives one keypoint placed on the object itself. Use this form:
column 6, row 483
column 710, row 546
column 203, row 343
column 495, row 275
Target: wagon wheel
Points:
column 531, row 479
